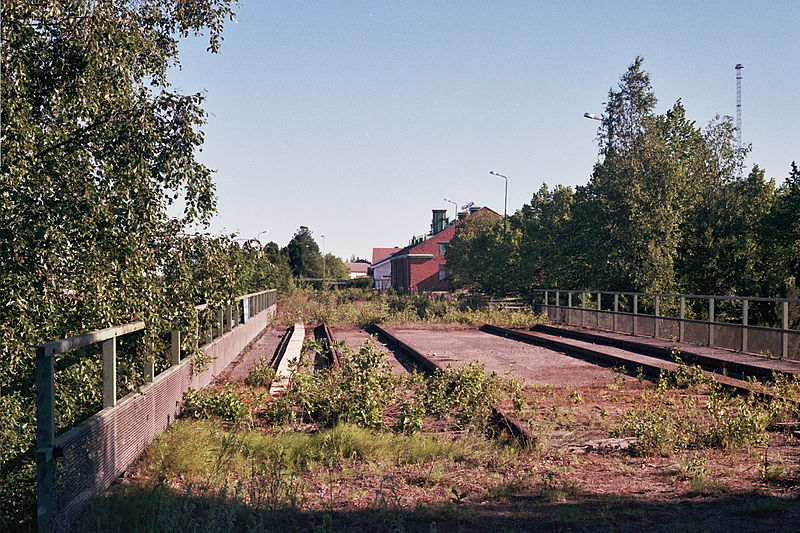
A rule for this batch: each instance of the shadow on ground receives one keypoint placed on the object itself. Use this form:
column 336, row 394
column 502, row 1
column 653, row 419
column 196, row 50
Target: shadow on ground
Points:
column 158, row 508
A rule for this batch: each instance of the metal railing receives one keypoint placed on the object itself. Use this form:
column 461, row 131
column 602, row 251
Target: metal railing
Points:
column 88, row 434
column 700, row 322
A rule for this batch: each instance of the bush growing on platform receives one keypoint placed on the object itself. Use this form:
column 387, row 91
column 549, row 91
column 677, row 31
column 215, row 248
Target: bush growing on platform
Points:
column 224, row 403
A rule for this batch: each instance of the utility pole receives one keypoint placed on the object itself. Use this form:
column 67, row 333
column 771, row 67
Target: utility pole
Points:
column 505, row 234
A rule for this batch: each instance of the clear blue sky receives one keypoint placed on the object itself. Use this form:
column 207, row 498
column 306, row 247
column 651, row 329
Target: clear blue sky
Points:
column 356, row 118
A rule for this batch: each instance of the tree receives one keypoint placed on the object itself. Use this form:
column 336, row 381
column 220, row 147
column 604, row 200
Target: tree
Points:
column 303, row 253
column 781, row 236
column 473, row 253
column 546, row 242
column 637, row 195
column 96, row 144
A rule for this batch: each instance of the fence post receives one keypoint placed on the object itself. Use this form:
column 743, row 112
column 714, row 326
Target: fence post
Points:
column 110, row 372
column 657, row 314
column 558, row 298
column 546, row 298
column 682, row 317
column 175, row 347
column 583, row 308
column 149, row 370
column 785, row 330
column 230, row 317
column 45, row 438
column 616, row 310
column 745, row 322
column 569, row 306
column 711, row 321
column 220, row 323
column 635, row 311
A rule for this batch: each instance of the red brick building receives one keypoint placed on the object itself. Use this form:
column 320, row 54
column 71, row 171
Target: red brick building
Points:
column 423, row 266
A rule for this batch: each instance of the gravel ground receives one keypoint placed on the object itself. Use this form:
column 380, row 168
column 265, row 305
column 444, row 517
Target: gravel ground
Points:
column 538, row 366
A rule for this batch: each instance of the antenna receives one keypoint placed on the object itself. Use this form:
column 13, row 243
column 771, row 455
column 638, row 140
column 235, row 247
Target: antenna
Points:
column 739, row 68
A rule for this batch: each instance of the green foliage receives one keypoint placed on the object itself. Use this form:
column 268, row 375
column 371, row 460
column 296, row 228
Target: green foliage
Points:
column 338, row 307
column 261, row 375
column 668, row 208
column 223, row 402
column 464, row 393
column 669, row 419
column 357, row 392
column 96, row 145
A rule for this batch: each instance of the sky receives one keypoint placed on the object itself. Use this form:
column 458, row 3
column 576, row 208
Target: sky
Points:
column 356, row 118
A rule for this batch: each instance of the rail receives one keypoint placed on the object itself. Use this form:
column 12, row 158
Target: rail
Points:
column 665, row 315
column 93, row 453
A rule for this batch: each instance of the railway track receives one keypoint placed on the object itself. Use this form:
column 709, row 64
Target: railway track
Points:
column 514, row 426
column 331, row 358
column 651, row 359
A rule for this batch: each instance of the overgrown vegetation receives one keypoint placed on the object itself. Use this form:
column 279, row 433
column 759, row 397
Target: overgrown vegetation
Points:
column 363, row 307
column 668, row 418
column 364, row 392
column 326, row 467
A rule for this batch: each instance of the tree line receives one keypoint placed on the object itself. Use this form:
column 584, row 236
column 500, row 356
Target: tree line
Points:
column 669, row 207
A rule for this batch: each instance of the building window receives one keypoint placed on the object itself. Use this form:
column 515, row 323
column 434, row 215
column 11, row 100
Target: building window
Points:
column 442, row 272
column 443, row 246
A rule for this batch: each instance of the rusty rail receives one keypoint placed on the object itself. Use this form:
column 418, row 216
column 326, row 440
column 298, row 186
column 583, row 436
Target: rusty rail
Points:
column 331, row 355
column 514, row 426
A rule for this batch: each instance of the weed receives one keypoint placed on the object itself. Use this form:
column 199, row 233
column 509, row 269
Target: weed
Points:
column 261, row 375
column 653, row 428
column 223, row 402
column 576, row 397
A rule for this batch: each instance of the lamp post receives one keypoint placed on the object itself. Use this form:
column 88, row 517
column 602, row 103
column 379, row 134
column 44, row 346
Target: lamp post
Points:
column 505, row 231
column 455, row 216
column 592, row 116
column 259, row 235
column 324, row 272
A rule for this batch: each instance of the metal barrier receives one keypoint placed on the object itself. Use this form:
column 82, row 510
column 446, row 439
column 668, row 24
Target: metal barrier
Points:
column 623, row 312
column 74, row 467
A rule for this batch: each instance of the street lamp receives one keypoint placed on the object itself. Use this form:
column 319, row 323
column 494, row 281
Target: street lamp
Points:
column 505, row 229
column 259, row 235
column 324, row 272
column 593, row 116
column 455, row 216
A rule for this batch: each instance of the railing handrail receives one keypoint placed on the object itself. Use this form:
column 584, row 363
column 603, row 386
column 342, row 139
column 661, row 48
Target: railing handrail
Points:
column 672, row 295
column 100, row 335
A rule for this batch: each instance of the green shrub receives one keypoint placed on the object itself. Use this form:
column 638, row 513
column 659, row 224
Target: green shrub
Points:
column 261, row 375
column 357, row 392
column 654, row 429
column 464, row 393
column 224, row 403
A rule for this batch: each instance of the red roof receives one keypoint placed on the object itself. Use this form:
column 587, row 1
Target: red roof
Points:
column 382, row 253
column 358, row 267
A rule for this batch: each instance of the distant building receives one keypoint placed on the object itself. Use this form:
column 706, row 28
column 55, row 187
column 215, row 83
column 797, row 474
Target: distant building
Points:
column 358, row 269
column 381, row 270
column 423, row 265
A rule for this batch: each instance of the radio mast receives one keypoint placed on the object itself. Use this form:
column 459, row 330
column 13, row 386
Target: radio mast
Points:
column 739, row 68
